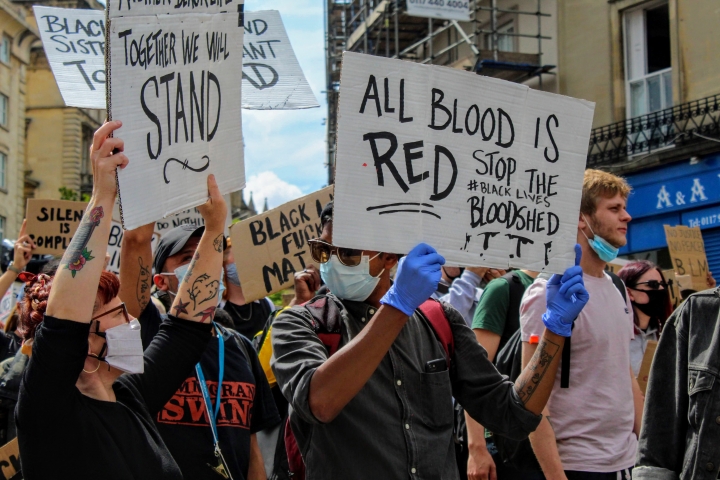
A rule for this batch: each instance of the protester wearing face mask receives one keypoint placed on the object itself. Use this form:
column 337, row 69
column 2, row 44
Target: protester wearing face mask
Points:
column 650, row 299
column 381, row 406
column 246, row 403
column 89, row 393
column 589, row 427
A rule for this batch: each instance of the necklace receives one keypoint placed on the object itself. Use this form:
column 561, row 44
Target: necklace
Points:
column 237, row 311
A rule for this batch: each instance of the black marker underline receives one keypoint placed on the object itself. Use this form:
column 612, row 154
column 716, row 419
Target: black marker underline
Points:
column 410, row 211
column 400, row 204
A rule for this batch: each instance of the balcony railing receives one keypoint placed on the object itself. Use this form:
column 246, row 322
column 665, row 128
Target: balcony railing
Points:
column 676, row 126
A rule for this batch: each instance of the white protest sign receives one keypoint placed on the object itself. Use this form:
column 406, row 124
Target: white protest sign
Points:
column 9, row 300
column 272, row 77
column 488, row 172
column 74, row 42
column 174, row 83
column 443, row 9
column 134, row 8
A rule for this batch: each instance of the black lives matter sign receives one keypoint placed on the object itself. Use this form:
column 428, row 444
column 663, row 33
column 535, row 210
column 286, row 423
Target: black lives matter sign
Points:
column 488, row 172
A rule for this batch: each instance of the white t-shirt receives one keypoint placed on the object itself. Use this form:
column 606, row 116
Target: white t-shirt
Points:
column 593, row 419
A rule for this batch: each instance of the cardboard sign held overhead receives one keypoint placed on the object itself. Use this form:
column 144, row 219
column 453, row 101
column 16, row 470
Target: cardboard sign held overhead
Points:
column 74, row 42
column 488, row 172
column 52, row 223
column 179, row 102
column 687, row 252
column 269, row 248
column 272, row 77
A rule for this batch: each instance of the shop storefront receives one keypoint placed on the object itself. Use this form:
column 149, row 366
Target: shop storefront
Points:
column 683, row 193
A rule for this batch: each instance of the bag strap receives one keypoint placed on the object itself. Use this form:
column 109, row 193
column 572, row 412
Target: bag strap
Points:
column 565, row 366
column 433, row 311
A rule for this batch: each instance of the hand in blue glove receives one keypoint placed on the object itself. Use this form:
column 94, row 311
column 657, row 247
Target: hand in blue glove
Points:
column 566, row 296
column 417, row 278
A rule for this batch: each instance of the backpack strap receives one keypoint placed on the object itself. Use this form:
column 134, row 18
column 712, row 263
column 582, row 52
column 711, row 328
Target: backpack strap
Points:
column 433, row 311
column 565, row 365
column 327, row 313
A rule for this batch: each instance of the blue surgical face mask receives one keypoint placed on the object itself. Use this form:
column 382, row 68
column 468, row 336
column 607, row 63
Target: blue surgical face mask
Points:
column 349, row 283
column 232, row 274
column 180, row 273
column 604, row 250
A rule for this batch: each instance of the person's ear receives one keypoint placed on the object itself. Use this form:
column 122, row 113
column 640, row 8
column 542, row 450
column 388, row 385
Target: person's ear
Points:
column 581, row 222
column 389, row 260
column 161, row 282
column 630, row 294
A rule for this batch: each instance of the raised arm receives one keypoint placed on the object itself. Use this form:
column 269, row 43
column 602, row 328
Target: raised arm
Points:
column 73, row 293
column 136, row 268
column 22, row 253
column 196, row 298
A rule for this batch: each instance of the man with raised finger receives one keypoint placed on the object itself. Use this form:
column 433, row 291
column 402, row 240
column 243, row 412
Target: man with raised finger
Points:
column 381, row 405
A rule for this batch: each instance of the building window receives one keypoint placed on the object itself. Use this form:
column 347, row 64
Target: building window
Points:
column 2, row 227
column 4, row 107
column 5, row 47
column 3, row 171
column 647, row 56
column 505, row 39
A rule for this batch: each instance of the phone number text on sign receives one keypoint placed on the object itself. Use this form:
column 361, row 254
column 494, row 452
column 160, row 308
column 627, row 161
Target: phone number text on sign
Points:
column 443, row 9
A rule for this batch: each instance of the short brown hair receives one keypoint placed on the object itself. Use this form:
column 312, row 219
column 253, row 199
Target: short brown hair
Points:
column 598, row 184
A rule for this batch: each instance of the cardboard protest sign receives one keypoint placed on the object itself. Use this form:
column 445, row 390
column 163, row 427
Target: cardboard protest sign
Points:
column 644, row 373
column 488, row 172
column 74, row 42
column 115, row 246
column 174, row 82
column 673, row 288
column 269, row 248
column 52, row 223
column 9, row 300
column 443, row 9
column 272, row 77
column 9, row 459
column 687, row 252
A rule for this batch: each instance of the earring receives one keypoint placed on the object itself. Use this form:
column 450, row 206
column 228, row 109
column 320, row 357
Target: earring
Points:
column 90, row 354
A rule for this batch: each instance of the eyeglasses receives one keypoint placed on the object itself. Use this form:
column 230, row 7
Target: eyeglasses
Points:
column 120, row 307
column 652, row 284
column 321, row 251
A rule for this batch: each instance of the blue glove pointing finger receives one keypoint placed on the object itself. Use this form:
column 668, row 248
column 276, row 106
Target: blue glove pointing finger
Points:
column 566, row 296
column 416, row 280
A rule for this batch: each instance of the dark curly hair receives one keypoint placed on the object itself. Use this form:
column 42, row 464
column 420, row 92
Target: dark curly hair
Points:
column 37, row 291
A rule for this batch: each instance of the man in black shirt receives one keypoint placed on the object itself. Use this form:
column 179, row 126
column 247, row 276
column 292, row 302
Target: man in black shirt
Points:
column 246, row 404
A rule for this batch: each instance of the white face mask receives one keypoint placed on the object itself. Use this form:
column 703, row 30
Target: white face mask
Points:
column 349, row 283
column 124, row 347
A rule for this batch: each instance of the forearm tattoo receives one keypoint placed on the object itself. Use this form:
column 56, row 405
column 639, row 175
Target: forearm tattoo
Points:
column 77, row 253
column 533, row 374
column 203, row 289
column 143, row 284
column 218, row 243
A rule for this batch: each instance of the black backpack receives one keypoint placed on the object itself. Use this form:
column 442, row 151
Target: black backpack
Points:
column 509, row 362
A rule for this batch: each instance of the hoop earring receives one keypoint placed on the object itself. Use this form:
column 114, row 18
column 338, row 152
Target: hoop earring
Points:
column 98, row 368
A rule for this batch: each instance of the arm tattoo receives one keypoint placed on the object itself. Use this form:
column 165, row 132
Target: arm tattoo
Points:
column 189, row 273
column 208, row 313
column 529, row 380
column 143, row 285
column 203, row 289
column 218, row 243
column 77, row 253
column 181, row 308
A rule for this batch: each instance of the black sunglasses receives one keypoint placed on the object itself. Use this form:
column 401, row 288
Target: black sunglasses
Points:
column 652, row 284
column 321, row 251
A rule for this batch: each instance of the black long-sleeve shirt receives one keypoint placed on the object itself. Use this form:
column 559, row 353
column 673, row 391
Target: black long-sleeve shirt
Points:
column 65, row 434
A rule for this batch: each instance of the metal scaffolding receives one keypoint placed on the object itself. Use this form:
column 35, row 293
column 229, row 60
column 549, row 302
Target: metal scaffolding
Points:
column 383, row 27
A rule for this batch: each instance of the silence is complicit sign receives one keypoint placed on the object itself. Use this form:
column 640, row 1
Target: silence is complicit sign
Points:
column 486, row 171
column 174, row 77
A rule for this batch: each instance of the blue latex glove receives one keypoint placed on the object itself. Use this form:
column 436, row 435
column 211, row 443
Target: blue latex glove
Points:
column 417, row 279
column 566, row 296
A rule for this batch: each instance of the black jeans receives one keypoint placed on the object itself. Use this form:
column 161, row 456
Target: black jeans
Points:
column 625, row 474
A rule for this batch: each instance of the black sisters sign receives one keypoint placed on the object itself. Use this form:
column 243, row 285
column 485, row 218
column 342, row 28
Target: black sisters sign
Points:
column 488, row 172
column 174, row 85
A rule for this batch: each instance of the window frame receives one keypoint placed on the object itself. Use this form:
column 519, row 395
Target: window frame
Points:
column 4, row 166
column 6, row 112
column 8, row 38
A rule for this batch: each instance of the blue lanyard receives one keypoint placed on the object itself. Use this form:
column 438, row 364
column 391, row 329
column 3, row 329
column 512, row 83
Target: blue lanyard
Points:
column 212, row 414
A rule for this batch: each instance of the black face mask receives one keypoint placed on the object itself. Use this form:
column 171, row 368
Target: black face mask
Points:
column 656, row 306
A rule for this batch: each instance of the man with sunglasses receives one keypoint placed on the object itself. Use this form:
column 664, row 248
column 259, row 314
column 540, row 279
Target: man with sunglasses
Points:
column 590, row 426
column 381, row 406
column 229, row 364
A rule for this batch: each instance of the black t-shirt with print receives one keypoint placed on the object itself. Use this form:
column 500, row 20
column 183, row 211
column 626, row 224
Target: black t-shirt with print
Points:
column 250, row 318
column 247, row 406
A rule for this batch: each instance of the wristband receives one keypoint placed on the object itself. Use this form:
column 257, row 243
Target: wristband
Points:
column 14, row 269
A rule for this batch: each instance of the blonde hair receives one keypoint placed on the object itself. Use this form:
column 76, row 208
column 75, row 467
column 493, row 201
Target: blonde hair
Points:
column 597, row 184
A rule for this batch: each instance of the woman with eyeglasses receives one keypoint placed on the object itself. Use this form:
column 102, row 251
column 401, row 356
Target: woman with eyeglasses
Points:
column 89, row 393
column 651, row 305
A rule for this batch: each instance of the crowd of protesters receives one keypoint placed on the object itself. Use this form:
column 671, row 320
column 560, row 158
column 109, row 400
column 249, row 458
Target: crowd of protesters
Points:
column 383, row 366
